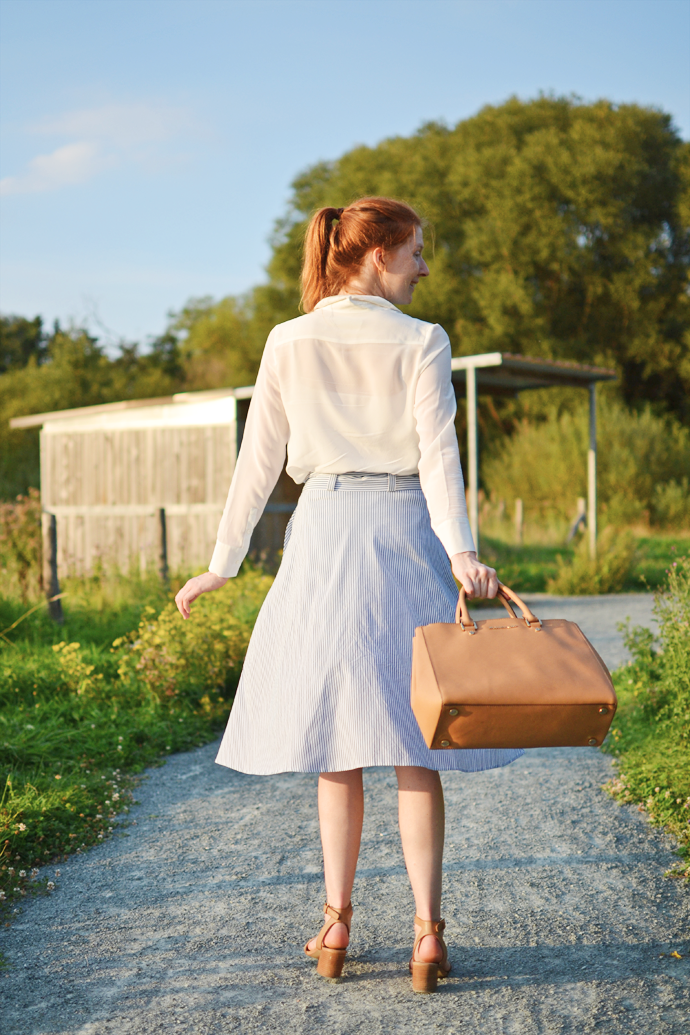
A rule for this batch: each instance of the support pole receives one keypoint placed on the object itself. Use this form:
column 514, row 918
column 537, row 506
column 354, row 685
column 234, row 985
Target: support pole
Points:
column 519, row 521
column 472, row 453
column 51, row 584
column 163, row 547
column 592, row 472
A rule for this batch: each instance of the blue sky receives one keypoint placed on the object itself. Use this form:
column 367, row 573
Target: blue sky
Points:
column 147, row 146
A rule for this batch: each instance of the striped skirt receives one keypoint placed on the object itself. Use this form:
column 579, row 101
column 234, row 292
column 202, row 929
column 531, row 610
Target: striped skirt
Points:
column 326, row 681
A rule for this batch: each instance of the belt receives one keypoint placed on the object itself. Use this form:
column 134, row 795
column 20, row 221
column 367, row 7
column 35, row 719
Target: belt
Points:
column 355, row 480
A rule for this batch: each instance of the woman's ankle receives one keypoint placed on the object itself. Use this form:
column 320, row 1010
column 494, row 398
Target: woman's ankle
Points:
column 429, row 950
column 337, row 937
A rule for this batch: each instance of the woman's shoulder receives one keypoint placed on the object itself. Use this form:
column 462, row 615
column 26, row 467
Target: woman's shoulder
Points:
column 360, row 317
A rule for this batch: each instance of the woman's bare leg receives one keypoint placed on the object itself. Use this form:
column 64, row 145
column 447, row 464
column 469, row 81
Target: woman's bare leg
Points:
column 422, row 826
column 341, row 811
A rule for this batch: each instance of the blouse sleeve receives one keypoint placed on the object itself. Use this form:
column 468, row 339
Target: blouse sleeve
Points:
column 440, row 472
column 259, row 463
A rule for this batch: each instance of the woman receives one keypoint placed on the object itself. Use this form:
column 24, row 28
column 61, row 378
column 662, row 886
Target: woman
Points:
column 361, row 396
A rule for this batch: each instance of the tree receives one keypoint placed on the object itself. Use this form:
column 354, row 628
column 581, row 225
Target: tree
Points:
column 21, row 340
column 74, row 371
column 558, row 229
column 216, row 343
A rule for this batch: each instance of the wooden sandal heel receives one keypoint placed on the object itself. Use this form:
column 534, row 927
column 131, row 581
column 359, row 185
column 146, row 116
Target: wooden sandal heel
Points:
column 331, row 961
column 425, row 976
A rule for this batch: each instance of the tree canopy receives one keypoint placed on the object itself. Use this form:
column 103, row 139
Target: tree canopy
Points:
column 557, row 229
column 20, row 339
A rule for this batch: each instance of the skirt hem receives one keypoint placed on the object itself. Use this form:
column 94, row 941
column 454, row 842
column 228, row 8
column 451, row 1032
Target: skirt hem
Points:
column 514, row 753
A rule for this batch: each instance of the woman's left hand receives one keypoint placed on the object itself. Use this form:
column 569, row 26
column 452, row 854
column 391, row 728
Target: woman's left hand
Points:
column 478, row 579
column 192, row 589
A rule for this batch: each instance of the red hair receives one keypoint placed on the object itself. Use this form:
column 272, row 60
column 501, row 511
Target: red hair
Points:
column 338, row 239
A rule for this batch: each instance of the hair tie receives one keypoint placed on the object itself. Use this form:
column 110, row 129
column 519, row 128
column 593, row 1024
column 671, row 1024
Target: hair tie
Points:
column 339, row 212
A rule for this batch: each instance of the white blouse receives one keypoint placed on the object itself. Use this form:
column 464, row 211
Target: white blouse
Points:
column 355, row 385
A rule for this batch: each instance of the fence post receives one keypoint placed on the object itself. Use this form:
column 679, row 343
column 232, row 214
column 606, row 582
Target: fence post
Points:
column 51, row 584
column 580, row 518
column 162, row 547
column 518, row 521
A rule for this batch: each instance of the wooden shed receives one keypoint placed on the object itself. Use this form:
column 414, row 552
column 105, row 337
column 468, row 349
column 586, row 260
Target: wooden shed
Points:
column 144, row 481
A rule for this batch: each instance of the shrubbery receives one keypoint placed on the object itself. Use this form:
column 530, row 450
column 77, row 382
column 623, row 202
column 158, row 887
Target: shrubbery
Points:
column 642, row 466
column 651, row 736
column 167, row 659
column 79, row 716
column 20, row 544
column 607, row 573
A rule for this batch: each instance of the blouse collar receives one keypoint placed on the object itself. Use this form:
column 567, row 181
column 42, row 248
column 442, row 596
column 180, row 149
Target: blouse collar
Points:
column 357, row 300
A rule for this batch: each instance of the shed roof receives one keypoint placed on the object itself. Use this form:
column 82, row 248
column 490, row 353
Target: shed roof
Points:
column 184, row 409
column 502, row 373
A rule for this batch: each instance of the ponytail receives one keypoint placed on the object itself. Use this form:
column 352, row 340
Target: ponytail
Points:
column 337, row 240
column 317, row 246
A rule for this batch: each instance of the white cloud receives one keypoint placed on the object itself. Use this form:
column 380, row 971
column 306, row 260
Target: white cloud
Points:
column 120, row 125
column 73, row 163
column 107, row 136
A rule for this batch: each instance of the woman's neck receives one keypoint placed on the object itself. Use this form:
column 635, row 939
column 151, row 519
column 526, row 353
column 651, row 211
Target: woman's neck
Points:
column 363, row 284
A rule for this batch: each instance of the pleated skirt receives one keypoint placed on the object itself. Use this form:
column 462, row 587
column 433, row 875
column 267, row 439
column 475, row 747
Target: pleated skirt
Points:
column 326, row 681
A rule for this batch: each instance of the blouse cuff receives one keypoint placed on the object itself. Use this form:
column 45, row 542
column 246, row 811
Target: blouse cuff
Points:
column 226, row 560
column 455, row 536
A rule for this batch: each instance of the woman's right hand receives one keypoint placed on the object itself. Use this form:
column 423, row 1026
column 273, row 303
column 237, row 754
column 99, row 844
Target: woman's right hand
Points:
column 479, row 580
column 192, row 589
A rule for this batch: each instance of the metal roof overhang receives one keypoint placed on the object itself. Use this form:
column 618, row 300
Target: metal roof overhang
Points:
column 502, row 373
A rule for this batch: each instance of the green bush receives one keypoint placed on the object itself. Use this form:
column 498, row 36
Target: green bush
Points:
column 167, row 658
column 20, row 545
column 671, row 504
column 651, row 737
column 642, row 466
column 608, row 573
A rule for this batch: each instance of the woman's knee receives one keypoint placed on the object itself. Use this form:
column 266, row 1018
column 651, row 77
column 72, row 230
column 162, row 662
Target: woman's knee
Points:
column 350, row 777
column 417, row 778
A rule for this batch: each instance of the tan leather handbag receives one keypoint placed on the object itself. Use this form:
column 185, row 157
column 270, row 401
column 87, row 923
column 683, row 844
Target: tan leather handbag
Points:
column 509, row 682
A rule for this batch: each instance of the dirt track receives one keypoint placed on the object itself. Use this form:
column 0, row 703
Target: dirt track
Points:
column 559, row 917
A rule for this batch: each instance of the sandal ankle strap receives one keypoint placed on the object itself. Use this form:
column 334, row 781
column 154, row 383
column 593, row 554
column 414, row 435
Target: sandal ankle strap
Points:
column 436, row 927
column 334, row 916
column 339, row 916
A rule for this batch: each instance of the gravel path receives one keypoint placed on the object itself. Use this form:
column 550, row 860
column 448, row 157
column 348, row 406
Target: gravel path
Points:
column 559, row 917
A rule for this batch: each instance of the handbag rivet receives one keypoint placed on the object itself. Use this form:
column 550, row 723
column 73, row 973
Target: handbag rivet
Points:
column 445, row 743
column 603, row 711
column 472, row 632
column 453, row 711
column 592, row 741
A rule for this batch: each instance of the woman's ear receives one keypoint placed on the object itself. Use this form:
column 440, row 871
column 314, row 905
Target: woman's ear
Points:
column 379, row 260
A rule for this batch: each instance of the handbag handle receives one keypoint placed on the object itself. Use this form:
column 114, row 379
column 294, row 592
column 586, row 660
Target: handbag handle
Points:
column 507, row 597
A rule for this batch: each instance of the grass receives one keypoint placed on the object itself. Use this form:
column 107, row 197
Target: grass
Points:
column 530, row 567
column 655, row 556
column 86, row 706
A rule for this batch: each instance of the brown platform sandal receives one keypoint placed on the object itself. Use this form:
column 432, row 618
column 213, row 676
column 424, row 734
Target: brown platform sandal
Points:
column 330, row 960
column 425, row 975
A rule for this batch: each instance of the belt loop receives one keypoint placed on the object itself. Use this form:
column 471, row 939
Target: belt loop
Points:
column 332, row 479
column 391, row 483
